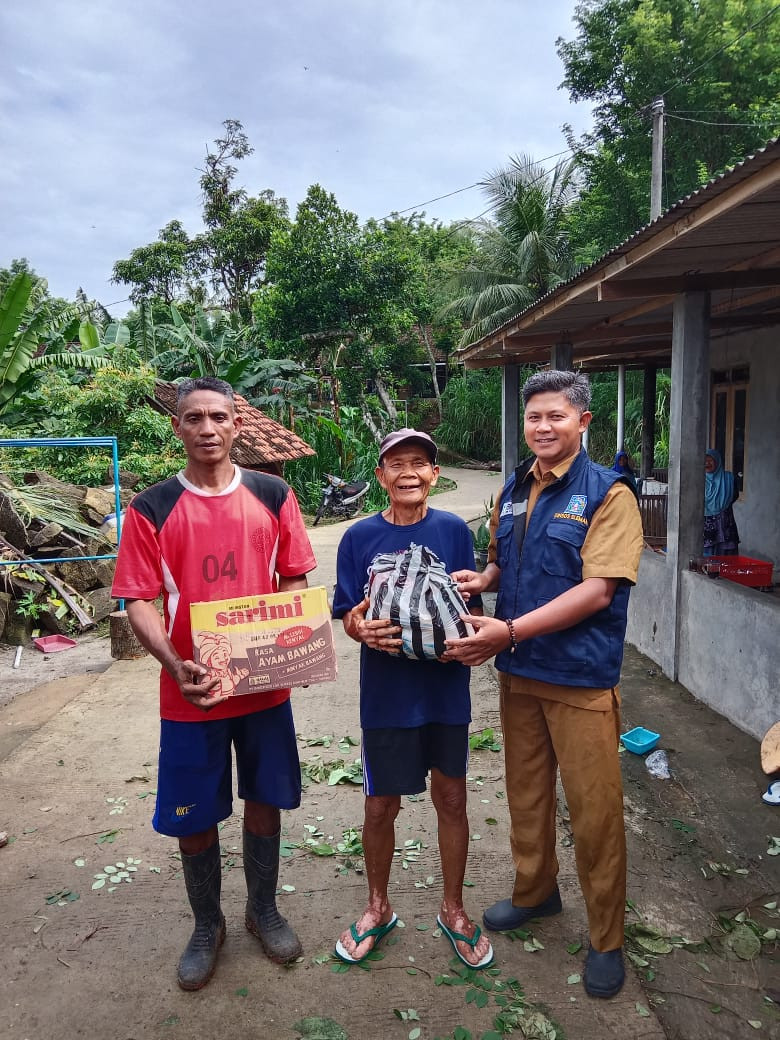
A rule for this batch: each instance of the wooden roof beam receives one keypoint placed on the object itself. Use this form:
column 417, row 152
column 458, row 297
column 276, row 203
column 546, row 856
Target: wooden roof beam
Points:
column 639, row 288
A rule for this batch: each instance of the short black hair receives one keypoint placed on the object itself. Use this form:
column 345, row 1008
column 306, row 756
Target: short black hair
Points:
column 218, row 386
column 574, row 386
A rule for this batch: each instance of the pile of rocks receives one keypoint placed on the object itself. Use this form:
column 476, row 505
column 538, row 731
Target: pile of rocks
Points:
column 41, row 519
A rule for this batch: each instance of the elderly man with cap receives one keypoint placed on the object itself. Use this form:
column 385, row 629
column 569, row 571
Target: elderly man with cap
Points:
column 414, row 714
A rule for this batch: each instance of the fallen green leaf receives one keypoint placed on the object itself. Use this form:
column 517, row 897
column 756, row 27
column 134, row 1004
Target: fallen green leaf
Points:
column 641, row 1010
column 316, row 1028
column 653, row 944
column 744, row 942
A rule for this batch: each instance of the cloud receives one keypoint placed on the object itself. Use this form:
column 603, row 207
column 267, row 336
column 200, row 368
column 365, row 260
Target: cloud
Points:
column 107, row 109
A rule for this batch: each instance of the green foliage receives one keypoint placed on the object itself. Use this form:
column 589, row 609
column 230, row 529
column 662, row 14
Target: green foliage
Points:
column 28, row 606
column 164, row 269
column 112, row 403
column 346, row 449
column 484, row 740
column 716, row 65
column 603, row 427
column 228, row 257
column 523, row 250
column 33, row 336
column 472, row 415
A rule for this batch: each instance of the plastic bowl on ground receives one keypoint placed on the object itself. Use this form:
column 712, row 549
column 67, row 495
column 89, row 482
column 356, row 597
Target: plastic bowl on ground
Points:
column 640, row 740
column 53, row 644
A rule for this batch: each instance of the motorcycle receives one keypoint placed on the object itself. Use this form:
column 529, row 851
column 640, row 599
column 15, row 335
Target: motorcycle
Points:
column 340, row 498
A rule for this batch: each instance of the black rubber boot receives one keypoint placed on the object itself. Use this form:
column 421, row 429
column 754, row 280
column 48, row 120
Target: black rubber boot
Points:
column 261, row 867
column 203, row 877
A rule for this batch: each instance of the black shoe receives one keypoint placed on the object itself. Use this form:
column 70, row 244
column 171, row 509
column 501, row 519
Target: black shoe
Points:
column 503, row 916
column 605, row 973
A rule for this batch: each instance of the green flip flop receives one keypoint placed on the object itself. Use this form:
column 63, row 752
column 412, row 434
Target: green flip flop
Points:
column 456, row 937
column 380, row 931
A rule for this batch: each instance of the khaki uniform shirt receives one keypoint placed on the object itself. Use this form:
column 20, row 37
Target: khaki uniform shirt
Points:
column 612, row 548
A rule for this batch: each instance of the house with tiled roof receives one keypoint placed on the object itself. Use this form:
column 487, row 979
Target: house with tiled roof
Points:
column 262, row 444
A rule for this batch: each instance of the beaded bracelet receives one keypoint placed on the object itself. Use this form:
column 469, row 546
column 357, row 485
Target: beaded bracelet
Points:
column 512, row 638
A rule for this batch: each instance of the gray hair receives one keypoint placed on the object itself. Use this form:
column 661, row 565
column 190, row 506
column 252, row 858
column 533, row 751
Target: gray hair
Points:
column 573, row 385
column 218, row 386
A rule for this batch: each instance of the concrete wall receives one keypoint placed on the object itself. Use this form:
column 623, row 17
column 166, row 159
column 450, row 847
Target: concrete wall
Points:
column 726, row 649
column 758, row 510
column 729, row 655
column 650, row 615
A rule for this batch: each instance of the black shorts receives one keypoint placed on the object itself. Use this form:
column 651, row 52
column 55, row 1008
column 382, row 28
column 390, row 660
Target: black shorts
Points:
column 397, row 761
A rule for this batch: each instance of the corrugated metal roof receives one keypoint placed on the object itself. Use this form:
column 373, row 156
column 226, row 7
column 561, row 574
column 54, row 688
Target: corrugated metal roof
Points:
column 262, row 441
column 724, row 237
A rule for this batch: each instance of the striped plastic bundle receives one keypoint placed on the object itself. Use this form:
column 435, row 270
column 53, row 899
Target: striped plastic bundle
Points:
column 413, row 589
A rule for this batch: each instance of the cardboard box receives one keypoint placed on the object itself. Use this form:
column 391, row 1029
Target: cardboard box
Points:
column 265, row 642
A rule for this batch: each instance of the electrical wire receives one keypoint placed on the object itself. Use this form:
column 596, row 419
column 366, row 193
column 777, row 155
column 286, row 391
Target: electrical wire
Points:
column 704, row 122
column 409, row 209
column 477, row 184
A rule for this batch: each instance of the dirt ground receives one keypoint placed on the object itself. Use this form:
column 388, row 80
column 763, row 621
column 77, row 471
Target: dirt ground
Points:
column 77, row 769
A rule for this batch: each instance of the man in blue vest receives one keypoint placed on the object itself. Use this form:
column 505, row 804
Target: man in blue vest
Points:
column 565, row 548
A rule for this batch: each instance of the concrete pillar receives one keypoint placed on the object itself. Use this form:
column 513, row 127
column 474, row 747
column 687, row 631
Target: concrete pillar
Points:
column 648, row 420
column 688, row 415
column 510, row 419
column 562, row 357
column 621, row 408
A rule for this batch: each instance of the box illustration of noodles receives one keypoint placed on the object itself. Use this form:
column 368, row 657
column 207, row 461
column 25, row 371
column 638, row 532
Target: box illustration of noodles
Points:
column 265, row 642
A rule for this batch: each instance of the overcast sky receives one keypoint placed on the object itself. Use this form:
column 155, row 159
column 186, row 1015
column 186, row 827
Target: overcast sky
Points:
column 107, row 108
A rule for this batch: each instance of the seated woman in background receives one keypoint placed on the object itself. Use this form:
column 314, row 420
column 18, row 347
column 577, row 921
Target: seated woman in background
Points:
column 721, row 537
column 622, row 465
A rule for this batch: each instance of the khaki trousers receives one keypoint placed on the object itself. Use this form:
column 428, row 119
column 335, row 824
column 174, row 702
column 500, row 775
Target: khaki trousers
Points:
column 539, row 736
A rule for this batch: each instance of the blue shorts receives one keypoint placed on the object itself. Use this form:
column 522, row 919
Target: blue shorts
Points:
column 397, row 761
column 195, row 776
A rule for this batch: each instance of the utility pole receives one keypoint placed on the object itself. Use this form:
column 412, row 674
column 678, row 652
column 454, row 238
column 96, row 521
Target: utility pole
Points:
column 657, row 169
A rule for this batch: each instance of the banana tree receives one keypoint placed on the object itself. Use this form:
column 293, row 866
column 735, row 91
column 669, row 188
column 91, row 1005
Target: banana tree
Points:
column 207, row 348
column 26, row 324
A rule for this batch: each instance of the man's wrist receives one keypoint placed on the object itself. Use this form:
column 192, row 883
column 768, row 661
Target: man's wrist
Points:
column 510, row 624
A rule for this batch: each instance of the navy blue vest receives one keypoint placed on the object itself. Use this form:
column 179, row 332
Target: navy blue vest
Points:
column 589, row 653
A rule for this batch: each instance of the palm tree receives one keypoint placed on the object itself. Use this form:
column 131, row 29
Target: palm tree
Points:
column 524, row 249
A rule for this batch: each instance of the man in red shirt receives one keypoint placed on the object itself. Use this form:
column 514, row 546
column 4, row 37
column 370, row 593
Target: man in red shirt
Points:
column 215, row 532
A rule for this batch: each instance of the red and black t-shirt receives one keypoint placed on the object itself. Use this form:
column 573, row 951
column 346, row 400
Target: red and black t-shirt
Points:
column 197, row 547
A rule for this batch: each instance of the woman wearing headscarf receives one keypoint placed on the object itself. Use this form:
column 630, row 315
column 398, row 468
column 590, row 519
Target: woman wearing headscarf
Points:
column 721, row 537
column 622, row 465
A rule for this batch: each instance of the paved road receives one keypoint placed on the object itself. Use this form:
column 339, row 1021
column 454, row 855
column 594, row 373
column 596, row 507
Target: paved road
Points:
column 467, row 500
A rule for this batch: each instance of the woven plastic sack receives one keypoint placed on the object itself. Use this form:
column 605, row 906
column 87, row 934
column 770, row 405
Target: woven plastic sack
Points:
column 413, row 589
